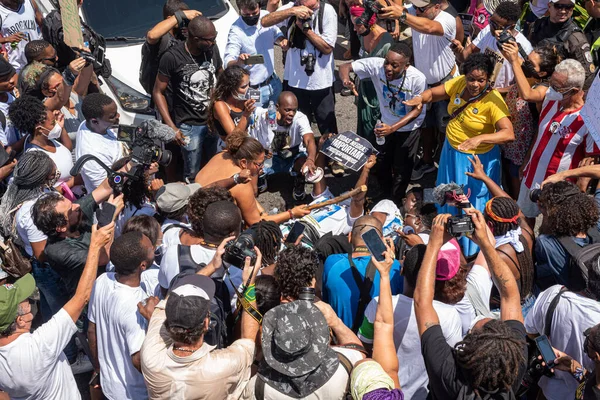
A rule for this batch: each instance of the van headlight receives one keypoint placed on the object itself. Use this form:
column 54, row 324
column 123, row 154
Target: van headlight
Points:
column 130, row 99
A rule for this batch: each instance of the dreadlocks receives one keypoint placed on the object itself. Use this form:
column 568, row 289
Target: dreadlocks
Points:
column 29, row 179
column 268, row 240
column 491, row 356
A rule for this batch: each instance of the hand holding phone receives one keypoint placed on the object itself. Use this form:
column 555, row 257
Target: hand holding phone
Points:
column 374, row 243
column 295, row 232
column 546, row 350
column 105, row 214
column 254, row 59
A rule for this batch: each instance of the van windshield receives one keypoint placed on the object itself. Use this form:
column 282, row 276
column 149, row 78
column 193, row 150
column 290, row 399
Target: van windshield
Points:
column 132, row 19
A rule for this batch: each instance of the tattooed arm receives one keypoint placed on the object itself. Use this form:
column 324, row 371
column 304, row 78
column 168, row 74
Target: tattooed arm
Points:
column 425, row 288
column 510, row 299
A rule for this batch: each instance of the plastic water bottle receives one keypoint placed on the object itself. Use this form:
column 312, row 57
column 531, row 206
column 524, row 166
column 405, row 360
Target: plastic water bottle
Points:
column 272, row 114
column 379, row 139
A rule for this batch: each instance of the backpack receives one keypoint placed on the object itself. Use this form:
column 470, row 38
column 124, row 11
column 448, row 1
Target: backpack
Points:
column 581, row 259
column 151, row 59
column 12, row 259
column 220, row 305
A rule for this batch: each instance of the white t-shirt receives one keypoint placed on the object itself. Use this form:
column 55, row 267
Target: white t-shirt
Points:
column 22, row 20
column 322, row 77
column 572, row 316
column 481, row 279
column 333, row 389
column 408, row 341
column 284, row 137
column 106, row 147
column 28, row 232
column 486, row 43
column 34, row 366
column 391, row 94
column 62, row 159
column 169, row 267
column 433, row 55
column 120, row 332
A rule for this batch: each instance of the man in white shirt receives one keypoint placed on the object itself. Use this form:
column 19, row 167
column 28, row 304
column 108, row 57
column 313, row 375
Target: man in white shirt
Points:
column 312, row 26
column 406, row 334
column 97, row 135
column 248, row 37
column 395, row 82
column 574, row 313
column 432, row 33
column 117, row 329
column 21, row 23
column 33, row 365
column 504, row 19
column 291, row 143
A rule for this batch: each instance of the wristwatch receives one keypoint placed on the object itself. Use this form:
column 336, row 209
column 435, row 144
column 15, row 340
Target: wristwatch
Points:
column 236, row 178
column 402, row 18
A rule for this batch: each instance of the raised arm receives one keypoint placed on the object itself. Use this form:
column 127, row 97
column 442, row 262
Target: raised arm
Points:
column 100, row 238
column 277, row 17
column 357, row 205
column 419, row 24
column 425, row 287
column 589, row 171
column 510, row 51
column 384, row 349
column 163, row 27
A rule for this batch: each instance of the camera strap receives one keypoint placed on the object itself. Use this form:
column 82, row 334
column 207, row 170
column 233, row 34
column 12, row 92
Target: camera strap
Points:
column 365, row 289
column 551, row 309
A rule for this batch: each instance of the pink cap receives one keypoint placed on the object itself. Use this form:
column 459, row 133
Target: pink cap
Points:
column 448, row 262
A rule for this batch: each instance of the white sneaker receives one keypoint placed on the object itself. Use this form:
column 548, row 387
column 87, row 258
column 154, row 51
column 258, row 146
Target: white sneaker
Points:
column 81, row 365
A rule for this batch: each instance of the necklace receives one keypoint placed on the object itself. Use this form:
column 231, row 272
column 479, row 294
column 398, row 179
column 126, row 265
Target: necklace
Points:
column 184, row 350
column 192, row 57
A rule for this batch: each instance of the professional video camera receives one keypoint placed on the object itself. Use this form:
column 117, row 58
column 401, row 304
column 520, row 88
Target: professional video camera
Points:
column 374, row 7
column 453, row 194
column 237, row 250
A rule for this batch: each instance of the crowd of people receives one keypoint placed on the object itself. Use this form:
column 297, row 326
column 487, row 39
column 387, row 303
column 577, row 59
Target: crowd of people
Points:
column 169, row 280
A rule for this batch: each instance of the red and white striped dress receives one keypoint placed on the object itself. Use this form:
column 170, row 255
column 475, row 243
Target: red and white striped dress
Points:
column 562, row 142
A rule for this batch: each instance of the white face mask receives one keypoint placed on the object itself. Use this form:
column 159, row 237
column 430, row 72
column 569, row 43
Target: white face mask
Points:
column 553, row 95
column 238, row 96
column 54, row 133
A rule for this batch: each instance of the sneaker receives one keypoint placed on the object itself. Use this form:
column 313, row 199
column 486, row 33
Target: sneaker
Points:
column 420, row 170
column 81, row 365
column 337, row 169
column 262, row 184
column 299, row 193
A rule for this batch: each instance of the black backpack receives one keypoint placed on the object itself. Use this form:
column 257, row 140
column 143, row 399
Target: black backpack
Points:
column 220, row 306
column 151, row 55
column 581, row 259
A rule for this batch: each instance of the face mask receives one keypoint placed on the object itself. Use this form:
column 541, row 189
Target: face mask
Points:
column 251, row 21
column 553, row 95
column 239, row 96
column 54, row 133
column 528, row 70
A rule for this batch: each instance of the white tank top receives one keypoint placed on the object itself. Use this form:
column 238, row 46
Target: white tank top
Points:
column 13, row 22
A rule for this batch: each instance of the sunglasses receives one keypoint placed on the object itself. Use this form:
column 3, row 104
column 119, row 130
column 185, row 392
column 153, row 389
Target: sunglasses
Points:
column 567, row 7
column 494, row 26
column 423, row 9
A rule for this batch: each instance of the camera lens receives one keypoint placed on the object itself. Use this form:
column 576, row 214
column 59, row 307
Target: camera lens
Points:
column 165, row 158
column 307, row 293
column 534, row 195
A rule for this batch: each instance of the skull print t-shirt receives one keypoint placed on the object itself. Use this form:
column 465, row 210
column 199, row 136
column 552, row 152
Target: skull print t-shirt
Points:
column 192, row 80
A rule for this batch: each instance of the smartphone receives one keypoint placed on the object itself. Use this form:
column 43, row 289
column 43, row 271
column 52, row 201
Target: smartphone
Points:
column 374, row 243
column 428, row 195
column 253, row 94
column 295, row 232
column 126, row 133
column 543, row 345
column 100, row 55
column 254, row 59
column 105, row 214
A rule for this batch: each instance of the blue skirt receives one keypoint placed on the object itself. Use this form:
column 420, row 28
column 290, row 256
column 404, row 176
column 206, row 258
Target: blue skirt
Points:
column 452, row 168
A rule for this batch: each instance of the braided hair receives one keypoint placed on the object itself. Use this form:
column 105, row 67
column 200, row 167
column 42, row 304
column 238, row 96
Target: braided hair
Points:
column 29, row 179
column 490, row 357
column 267, row 237
column 505, row 207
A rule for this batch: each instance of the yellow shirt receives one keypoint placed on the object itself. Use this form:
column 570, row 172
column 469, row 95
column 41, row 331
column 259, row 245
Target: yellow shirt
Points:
column 479, row 117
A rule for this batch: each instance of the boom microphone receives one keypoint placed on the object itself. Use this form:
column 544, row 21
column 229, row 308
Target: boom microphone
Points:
column 157, row 131
column 451, row 193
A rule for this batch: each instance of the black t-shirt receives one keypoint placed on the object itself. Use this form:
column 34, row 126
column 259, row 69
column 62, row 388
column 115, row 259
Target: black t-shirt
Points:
column 67, row 256
column 192, row 80
column 445, row 378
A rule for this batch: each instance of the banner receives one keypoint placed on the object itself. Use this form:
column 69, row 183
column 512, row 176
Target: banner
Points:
column 591, row 110
column 69, row 13
column 349, row 149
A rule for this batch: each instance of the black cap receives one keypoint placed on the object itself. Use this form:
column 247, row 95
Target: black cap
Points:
column 189, row 301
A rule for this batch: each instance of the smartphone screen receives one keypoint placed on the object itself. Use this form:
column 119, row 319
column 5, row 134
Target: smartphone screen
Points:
column 374, row 243
column 543, row 345
column 100, row 56
column 428, row 195
column 255, row 59
column 126, row 133
column 295, row 232
column 105, row 215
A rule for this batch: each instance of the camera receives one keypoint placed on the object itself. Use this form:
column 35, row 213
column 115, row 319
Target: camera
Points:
column 460, row 225
column 305, row 24
column 373, row 7
column 308, row 60
column 534, row 195
column 505, row 37
column 237, row 250
column 146, row 150
column 307, row 293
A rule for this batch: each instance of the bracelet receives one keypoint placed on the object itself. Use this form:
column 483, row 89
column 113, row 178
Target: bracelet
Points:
column 578, row 374
column 402, row 18
column 250, row 293
column 236, row 179
column 291, row 214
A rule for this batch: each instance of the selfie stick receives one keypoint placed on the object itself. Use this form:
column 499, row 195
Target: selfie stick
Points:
column 339, row 199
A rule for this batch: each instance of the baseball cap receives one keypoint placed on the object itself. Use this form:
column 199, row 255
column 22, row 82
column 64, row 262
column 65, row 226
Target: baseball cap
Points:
column 11, row 295
column 174, row 196
column 189, row 301
column 448, row 262
column 423, row 3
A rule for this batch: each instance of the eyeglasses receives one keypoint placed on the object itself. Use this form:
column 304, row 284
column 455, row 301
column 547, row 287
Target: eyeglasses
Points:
column 562, row 91
column 258, row 165
column 423, row 9
column 559, row 6
column 494, row 26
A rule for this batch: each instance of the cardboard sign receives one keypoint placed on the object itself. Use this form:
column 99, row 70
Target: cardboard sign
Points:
column 591, row 110
column 349, row 149
column 69, row 13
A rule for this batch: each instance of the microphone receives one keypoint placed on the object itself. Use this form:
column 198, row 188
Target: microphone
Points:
column 156, row 130
column 451, row 194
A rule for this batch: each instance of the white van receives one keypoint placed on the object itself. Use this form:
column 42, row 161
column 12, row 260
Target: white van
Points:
column 124, row 24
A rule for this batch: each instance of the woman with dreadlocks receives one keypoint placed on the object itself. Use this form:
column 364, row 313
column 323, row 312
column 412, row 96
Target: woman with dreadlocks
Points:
column 514, row 237
column 490, row 361
column 267, row 237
